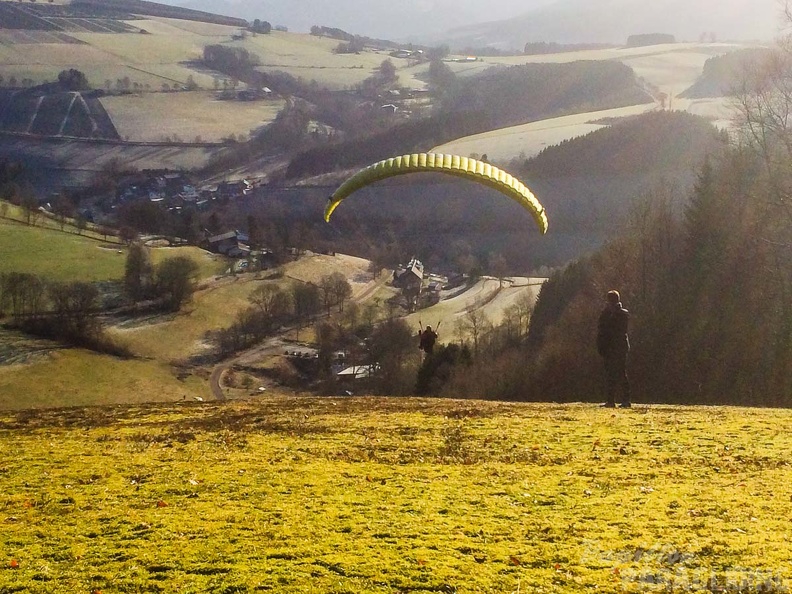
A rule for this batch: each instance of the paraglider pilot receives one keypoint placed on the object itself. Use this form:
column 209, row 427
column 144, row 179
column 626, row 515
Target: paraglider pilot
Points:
column 613, row 344
column 427, row 340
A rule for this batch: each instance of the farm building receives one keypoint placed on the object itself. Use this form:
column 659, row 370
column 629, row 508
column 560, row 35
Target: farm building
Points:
column 409, row 278
column 231, row 243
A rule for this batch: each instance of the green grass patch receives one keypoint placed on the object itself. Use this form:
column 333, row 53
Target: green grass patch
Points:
column 395, row 495
column 177, row 336
column 209, row 264
column 56, row 255
column 73, row 377
column 45, row 250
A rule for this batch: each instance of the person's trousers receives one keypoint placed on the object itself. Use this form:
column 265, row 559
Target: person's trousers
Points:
column 616, row 381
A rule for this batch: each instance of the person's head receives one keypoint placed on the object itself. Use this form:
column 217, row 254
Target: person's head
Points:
column 613, row 297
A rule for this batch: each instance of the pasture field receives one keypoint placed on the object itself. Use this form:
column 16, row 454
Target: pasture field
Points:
column 209, row 264
column 292, row 494
column 13, row 213
column 216, row 304
column 311, row 57
column 105, row 75
column 486, row 297
column 76, row 377
column 178, row 336
column 157, row 48
column 88, row 157
column 56, row 255
column 312, row 267
column 166, row 26
column 61, row 55
column 149, row 60
column 44, row 250
column 153, row 116
column 529, row 139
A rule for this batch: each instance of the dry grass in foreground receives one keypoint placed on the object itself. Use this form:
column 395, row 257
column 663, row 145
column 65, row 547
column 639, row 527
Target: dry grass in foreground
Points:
column 394, row 495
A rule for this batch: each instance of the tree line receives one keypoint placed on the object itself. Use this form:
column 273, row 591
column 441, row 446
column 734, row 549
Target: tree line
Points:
column 272, row 307
column 64, row 311
column 72, row 311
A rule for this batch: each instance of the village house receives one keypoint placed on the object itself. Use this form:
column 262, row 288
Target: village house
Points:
column 233, row 244
column 229, row 190
column 410, row 281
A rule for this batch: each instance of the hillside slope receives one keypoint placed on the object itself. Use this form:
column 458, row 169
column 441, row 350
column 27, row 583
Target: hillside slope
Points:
column 50, row 111
column 613, row 21
column 282, row 495
column 723, row 75
column 496, row 97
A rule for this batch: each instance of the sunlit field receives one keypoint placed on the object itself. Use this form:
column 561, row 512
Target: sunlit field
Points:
column 74, row 377
column 56, row 255
column 395, row 495
column 193, row 116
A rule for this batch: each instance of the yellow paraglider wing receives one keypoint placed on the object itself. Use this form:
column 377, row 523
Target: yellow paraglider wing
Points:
column 465, row 167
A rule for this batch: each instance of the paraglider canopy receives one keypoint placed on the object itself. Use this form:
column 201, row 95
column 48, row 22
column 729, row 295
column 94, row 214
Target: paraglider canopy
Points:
column 472, row 169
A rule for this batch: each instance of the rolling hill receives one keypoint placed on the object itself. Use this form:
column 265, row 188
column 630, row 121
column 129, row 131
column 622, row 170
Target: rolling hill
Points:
column 613, row 21
column 375, row 18
column 723, row 75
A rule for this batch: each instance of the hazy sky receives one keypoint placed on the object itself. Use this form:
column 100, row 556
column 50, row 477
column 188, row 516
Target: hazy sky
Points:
column 566, row 21
column 375, row 18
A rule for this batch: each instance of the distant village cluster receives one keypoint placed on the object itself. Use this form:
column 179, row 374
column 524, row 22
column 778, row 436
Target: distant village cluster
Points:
column 175, row 191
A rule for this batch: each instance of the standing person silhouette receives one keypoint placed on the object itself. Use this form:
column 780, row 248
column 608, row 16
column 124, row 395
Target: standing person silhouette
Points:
column 613, row 344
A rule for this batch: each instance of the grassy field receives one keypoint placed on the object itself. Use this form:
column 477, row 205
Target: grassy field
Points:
column 312, row 58
column 529, row 139
column 73, row 377
column 178, row 336
column 209, row 264
column 395, row 495
column 154, row 116
column 165, row 53
column 151, row 60
column 87, row 157
column 45, row 250
column 56, row 255
column 486, row 297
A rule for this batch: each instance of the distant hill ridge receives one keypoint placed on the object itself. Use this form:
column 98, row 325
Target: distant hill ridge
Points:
column 52, row 17
column 613, row 21
column 144, row 7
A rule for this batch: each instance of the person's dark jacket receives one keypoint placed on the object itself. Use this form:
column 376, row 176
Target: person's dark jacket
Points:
column 612, row 337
